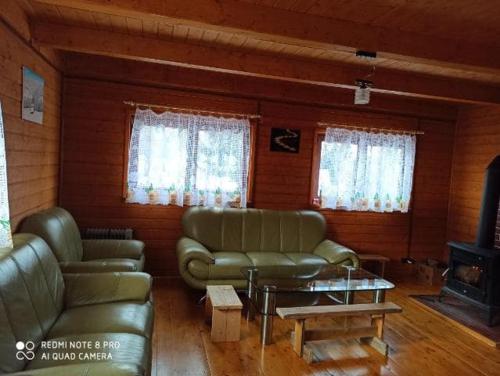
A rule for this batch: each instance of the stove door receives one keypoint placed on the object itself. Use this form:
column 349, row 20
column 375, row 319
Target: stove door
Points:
column 468, row 275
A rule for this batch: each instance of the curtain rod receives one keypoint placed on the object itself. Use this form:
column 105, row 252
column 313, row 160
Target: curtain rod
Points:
column 190, row 110
column 415, row 132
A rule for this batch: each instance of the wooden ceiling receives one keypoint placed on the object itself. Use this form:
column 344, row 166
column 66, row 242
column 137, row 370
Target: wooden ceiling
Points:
column 470, row 20
column 427, row 48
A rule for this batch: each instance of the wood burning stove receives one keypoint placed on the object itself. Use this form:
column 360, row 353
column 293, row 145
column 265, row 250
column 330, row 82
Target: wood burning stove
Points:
column 474, row 269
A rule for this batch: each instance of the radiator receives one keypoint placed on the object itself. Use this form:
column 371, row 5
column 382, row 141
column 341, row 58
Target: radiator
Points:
column 108, row 233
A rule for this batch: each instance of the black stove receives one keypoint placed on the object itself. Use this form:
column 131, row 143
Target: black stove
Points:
column 474, row 269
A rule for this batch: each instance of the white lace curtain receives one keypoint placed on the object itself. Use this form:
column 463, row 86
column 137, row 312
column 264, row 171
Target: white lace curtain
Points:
column 186, row 159
column 366, row 171
column 5, row 231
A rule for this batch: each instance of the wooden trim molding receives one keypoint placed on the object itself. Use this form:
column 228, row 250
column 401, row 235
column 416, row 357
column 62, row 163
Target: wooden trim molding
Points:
column 319, row 136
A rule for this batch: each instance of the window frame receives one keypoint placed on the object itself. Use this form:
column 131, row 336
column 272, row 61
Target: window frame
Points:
column 314, row 199
column 129, row 122
column 319, row 137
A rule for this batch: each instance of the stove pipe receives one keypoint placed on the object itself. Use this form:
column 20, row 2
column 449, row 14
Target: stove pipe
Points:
column 489, row 207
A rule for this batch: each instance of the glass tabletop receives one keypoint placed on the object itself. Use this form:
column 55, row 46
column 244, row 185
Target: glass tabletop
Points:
column 314, row 278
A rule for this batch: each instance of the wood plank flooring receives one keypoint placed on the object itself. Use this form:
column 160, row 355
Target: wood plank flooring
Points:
column 422, row 343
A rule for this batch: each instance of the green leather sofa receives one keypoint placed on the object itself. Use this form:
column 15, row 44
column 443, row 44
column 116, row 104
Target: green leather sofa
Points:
column 40, row 304
column 58, row 228
column 217, row 243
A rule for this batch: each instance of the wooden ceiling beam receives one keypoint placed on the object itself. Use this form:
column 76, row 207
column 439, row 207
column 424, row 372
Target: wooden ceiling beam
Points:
column 114, row 44
column 103, row 68
column 287, row 26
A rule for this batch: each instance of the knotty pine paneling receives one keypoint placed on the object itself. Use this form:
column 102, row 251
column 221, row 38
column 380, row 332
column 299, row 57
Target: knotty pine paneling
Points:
column 94, row 125
column 32, row 149
column 477, row 142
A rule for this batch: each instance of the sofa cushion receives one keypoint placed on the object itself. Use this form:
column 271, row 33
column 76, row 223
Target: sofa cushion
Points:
column 306, row 259
column 227, row 266
column 58, row 228
column 254, row 230
column 99, row 266
column 269, row 259
column 138, row 264
column 105, row 318
column 31, row 291
column 94, row 249
column 130, row 349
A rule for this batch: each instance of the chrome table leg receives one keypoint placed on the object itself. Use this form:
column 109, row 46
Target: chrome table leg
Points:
column 268, row 310
column 378, row 296
column 251, row 294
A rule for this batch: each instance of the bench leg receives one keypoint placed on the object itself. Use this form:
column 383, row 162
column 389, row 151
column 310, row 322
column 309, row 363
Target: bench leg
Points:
column 298, row 339
column 377, row 342
column 378, row 322
column 225, row 325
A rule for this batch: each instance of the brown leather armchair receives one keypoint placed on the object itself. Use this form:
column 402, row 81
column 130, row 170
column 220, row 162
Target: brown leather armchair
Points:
column 218, row 243
column 58, row 228
column 40, row 304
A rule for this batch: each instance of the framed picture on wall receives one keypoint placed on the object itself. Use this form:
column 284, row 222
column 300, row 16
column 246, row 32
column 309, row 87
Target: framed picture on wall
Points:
column 285, row 140
column 32, row 103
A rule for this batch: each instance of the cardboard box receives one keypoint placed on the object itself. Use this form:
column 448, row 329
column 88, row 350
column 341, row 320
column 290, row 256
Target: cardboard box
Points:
column 430, row 274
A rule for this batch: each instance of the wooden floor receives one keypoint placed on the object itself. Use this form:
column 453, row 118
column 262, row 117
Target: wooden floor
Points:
column 422, row 343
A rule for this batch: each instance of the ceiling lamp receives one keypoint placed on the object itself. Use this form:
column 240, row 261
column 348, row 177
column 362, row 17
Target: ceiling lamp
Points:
column 362, row 92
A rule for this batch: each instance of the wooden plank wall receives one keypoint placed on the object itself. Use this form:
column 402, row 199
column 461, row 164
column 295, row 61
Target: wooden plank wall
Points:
column 93, row 149
column 477, row 142
column 94, row 120
column 282, row 181
column 32, row 150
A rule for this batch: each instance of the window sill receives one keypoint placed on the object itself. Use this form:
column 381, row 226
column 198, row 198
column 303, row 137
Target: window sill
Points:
column 320, row 209
column 137, row 204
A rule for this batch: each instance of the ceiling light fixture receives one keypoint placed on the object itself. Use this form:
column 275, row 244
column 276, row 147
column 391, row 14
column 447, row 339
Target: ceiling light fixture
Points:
column 363, row 85
column 362, row 93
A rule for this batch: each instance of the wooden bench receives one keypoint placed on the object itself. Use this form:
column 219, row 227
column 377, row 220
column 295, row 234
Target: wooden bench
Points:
column 223, row 309
column 371, row 335
column 382, row 260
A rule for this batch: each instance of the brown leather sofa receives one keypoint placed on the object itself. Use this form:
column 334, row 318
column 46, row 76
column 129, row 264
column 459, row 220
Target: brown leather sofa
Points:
column 218, row 243
column 58, row 228
column 40, row 304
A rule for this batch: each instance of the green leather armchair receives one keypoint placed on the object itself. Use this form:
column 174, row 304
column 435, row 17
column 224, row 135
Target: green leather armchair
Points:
column 217, row 243
column 58, row 228
column 40, row 304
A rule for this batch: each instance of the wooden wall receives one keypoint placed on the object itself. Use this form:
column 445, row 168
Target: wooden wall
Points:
column 283, row 181
column 94, row 128
column 477, row 142
column 32, row 149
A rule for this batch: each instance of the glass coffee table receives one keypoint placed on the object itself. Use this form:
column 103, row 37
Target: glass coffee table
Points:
column 302, row 285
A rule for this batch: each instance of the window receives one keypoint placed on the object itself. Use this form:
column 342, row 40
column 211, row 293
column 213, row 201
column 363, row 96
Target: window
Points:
column 186, row 159
column 364, row 171
column 5, row 232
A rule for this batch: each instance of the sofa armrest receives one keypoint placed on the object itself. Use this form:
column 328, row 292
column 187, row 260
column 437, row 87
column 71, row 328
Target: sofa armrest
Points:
column 336, row 253
column 97, row 266
column 94, row 249
column 87, row 369
column 98, row 288
column 189, row 249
